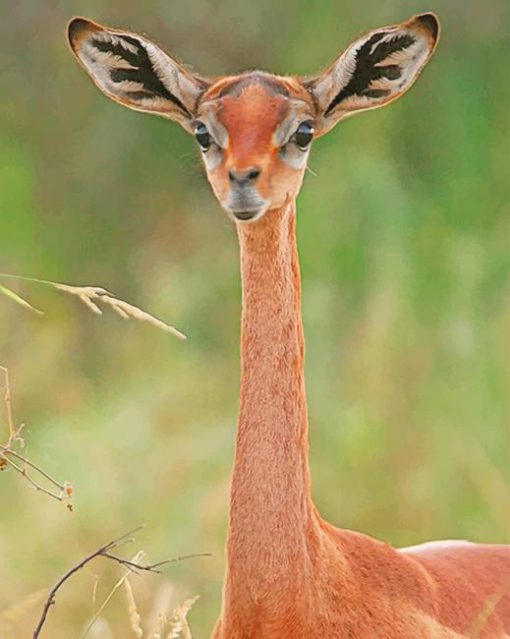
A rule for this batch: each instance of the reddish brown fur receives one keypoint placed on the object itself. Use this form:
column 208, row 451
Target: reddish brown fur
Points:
column 290, row 574
column 251, row 116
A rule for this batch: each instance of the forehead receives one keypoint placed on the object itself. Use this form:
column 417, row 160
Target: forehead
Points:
column 256, row 100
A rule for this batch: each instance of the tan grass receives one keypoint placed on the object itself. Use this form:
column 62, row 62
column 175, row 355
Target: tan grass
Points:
column 136, row 559
column 93, row 297
column 161, row 606
column 134, row 616
column 177, row 624
column 486, row 477
column 15, row 614
column 163, row 626
column 18, row 299
column 180, row 621
column 174, row 625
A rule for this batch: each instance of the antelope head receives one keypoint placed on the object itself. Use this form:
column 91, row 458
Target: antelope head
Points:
column 255, row 130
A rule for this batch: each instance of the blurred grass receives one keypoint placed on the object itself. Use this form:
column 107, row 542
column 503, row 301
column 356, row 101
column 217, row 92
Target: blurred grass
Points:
column 405, row 248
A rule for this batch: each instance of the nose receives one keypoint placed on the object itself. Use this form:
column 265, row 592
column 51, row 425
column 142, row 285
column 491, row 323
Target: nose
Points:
column 244, row 177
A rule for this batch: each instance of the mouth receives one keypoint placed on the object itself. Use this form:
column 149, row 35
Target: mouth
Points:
column 246, row 215
column 245, row 205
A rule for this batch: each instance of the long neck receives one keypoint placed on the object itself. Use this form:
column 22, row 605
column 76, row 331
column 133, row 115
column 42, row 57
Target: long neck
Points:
column 272, row 519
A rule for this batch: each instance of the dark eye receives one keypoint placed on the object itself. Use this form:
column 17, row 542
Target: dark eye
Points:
column 304, row 135
column 203, row 136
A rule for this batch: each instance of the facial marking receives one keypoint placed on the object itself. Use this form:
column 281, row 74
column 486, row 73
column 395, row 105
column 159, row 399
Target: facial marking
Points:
column 209, row 116
column 253, row 119
column 250, row 120
column 299, row 111
column 255, row 129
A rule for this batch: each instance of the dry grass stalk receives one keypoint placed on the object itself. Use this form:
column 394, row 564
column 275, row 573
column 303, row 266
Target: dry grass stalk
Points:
column 8, row 404
column 12, row 616
column 135, row 561
column 160, row 608
column 12, row 458
column 19, row 300
column 100, row 552
column 95, row 586
column 92, row 297
column 134, row 616
column 132, row 565
column 102, row 630
column 176, row 624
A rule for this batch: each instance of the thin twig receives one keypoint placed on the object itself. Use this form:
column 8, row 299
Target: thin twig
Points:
column 107, row 600
column 31, row 480
column 27, row 461
column 103, row 551
column 135, row 566
column 50, row 601
column 8, row 454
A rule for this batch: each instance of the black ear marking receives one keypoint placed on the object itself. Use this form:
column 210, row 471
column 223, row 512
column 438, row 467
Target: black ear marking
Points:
column 75, row 27
column 135, row 72
column 371, row 53
column 143, row 71
column 430, row 22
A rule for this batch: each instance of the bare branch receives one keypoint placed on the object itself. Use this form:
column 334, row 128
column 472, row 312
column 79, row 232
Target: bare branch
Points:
column 9, row 457
column 151, row 567
column 107, row 600
column 103, row 551
column 27, row 462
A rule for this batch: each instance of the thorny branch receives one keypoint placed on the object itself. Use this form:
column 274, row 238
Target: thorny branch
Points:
column 104, row 551
column 11, row 458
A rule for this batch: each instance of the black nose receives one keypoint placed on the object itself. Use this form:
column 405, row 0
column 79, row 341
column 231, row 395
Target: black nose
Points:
column 244, row 177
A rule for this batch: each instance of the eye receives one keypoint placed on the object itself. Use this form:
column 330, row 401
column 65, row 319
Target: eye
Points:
column 303, row 136
column 203, row 136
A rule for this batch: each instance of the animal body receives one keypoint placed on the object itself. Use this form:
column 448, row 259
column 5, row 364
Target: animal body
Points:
column 289, row 573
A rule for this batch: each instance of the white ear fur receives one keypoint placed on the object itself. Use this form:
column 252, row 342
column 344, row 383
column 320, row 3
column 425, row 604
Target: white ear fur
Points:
column 376, row 69
column 134, row 71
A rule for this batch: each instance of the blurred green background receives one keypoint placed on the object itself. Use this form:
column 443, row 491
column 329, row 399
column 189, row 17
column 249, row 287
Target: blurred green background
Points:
column 404, row 237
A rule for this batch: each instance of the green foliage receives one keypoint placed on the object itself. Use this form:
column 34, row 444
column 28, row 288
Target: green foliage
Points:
column 404, row 241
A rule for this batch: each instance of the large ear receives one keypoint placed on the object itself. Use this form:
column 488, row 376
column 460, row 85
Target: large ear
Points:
column 135, row 72
column 374, row 70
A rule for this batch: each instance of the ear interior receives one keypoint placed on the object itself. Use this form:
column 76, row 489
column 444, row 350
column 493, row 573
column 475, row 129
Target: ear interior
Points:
column 133, row 71
column 376, row 69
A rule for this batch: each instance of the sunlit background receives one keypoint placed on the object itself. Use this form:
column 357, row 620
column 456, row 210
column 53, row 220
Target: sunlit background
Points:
column 404, row 236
